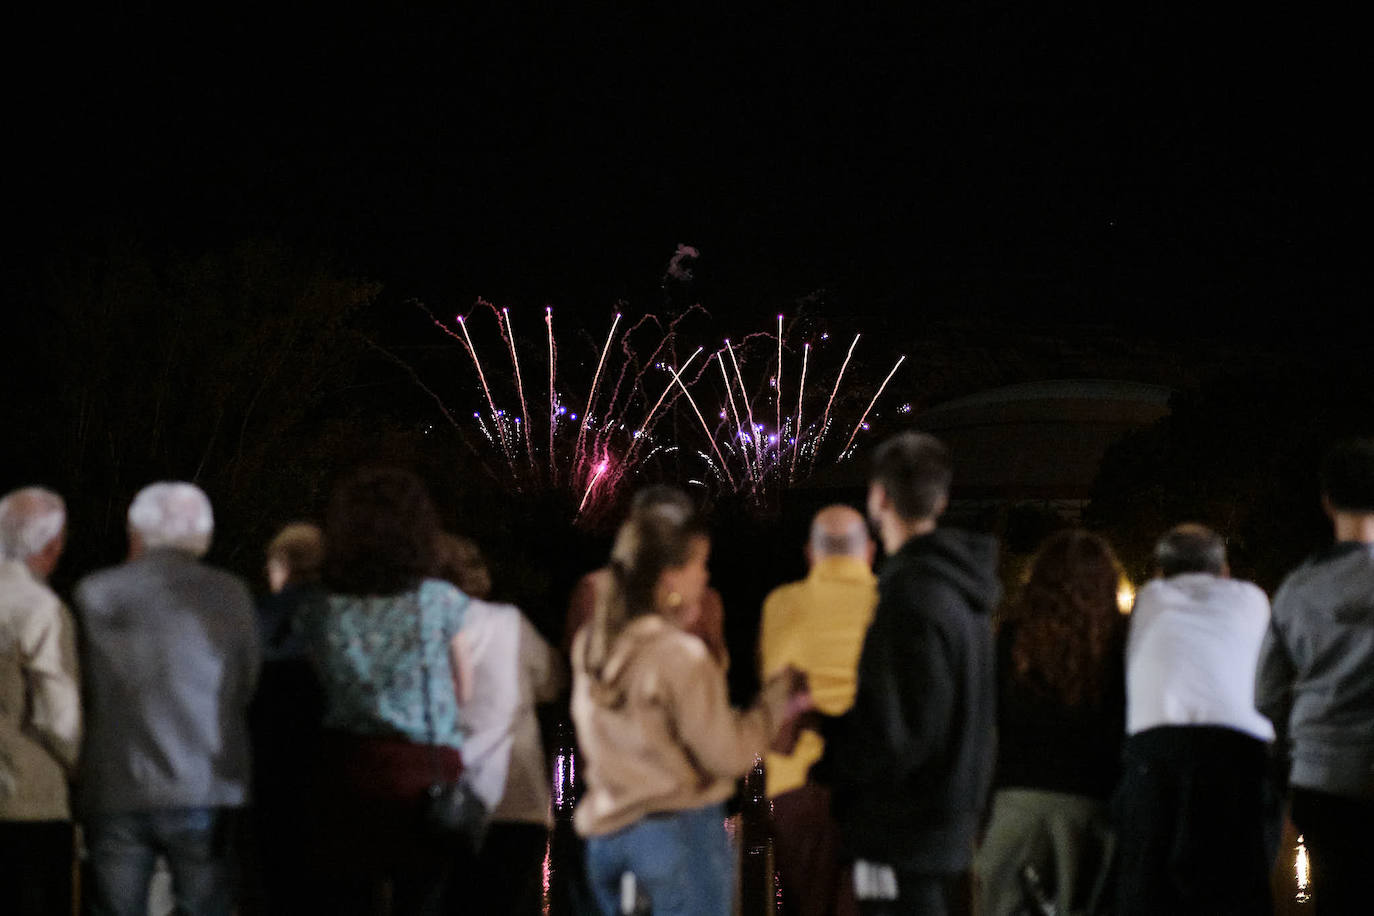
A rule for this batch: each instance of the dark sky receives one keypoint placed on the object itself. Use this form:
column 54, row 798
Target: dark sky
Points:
column 1010, row 159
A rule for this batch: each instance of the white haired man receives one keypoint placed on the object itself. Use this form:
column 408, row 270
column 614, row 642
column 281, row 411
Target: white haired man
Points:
column 170, row 658
column 40, row 714
column 817, row 625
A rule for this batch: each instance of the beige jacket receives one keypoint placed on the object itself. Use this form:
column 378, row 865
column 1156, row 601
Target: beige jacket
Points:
column 40, row 712
column 671, row 742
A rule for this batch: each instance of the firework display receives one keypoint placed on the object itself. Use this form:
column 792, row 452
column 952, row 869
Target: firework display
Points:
column 655, row 409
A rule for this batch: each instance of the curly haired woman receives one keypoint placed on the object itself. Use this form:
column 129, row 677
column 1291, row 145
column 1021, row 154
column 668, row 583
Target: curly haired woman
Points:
column 1060, row 718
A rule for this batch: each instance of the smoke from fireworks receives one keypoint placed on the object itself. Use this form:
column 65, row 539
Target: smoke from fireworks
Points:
column 648, row 417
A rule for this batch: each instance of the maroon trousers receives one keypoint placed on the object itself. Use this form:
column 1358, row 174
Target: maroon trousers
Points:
column 806, row 849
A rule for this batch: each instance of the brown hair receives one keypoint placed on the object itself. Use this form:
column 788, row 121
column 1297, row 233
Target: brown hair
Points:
column 1066, row 621
column 379, row 534
column 461, row 562
column 300, row 548
column 652, row 540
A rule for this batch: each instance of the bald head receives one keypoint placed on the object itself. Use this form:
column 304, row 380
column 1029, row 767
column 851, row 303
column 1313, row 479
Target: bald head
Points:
column 839, row 531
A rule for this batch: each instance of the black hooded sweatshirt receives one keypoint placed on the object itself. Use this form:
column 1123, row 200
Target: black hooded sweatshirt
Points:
column 910, row 764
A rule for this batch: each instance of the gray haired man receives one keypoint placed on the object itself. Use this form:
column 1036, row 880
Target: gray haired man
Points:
column 170, row 658
column 40, row 715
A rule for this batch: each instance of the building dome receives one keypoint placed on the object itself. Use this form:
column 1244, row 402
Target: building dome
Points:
column 1039, row 441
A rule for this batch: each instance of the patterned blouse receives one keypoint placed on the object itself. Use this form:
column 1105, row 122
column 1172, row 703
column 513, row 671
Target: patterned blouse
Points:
column 367, row 649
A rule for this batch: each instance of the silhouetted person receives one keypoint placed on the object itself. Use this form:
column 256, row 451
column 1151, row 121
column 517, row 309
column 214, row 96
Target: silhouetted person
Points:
column 910, row 764
column 170, row 655
column 285, row 722
column 1060, row 713
column 40, row 713
column 1316, row 684
column 817, row 625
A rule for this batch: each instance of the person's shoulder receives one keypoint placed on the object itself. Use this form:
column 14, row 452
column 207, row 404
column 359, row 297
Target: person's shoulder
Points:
column 229, row 586
column 95, row 586
column 481, row 612
column 445, row 597
column 783, row 596
column 672, row 648
column 1245, row 593
column 1324, row 565
column 23, row 594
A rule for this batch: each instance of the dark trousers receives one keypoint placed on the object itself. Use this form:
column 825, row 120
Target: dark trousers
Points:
column 371, row 852
column 922, row 895
column 1336, row 831
column 123, row 851
column 1190, row 814
column 508, row 879
column 806, row 849
column 36, row 867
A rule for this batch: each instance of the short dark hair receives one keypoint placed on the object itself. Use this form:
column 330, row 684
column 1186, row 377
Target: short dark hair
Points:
column 1190, row 548
column 915, row 470
column 380, row 535
column 1348, row 475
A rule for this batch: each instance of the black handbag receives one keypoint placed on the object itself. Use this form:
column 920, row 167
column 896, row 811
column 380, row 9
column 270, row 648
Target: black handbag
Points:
column 450, row 807
column 454, row 809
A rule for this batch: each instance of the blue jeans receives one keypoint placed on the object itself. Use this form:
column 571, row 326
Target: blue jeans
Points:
column 124, row 848
column 681, row 861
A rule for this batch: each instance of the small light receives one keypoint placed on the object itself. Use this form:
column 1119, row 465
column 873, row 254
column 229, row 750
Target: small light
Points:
column 1125, row 596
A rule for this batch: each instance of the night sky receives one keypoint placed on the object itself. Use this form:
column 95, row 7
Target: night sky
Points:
column 1051, row 162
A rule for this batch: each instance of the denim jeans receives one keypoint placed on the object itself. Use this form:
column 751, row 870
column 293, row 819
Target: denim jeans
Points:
column 123, row 851
column 681, row 861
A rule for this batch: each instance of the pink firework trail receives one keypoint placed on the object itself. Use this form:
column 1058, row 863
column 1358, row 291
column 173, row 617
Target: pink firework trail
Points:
column 877, row 395
column 777, row 394
column 648, row 418
column 825, row 420
column 749, row 408
column 600, row 469
column 519, row 384
column 553, row 396
column 591, row 396
column 734, row 412
column 495, row 414
column 716, row 448
column 797, row 434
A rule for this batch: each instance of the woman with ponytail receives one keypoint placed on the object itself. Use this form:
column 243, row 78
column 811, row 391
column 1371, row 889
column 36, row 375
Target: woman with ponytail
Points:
column 661, row 744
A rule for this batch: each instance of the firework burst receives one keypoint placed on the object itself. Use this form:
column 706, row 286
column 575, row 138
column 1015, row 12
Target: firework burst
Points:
column 662, row 415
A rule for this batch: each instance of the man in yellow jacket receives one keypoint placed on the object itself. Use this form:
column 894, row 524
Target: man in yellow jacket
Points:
column 817, row 625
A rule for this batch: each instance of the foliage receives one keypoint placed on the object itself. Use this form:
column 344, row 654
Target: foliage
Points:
column 211, row 368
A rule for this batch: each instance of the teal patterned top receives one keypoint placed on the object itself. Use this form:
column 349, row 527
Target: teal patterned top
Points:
column 367, row 651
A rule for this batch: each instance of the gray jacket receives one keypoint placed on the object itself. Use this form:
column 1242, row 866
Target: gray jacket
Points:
column 169, row 652
column 1316, row 674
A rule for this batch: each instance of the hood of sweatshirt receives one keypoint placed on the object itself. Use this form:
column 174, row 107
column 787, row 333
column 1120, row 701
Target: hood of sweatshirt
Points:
column 639, row 637
column 966, row 560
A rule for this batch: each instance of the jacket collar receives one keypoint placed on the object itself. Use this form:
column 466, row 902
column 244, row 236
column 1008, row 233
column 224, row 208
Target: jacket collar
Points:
column 842, row 569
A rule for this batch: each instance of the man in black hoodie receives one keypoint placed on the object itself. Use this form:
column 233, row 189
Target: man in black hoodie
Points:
column 910, row 764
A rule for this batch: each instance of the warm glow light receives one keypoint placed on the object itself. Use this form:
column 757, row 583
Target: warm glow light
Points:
column 1125, row 596
column 1304, row 874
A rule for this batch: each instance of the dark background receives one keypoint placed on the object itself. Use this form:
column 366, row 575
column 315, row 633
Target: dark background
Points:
column 222, row 226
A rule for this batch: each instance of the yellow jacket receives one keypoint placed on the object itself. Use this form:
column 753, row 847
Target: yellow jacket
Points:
column 816, row 625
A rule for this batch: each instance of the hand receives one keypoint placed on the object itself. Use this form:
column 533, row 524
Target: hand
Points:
column 799, row 709
column 796, row 679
